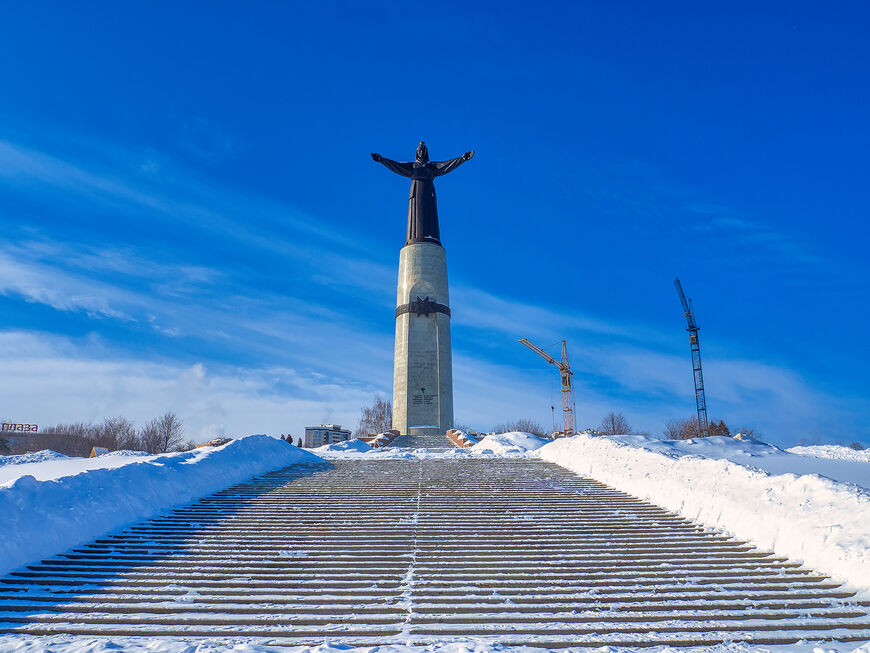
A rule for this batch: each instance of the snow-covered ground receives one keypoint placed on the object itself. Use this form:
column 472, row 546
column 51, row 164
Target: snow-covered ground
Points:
column 832, row 451
column 47, row 465
column 502, row 444
column 31, row 457
column 59, row 503
column 808, row 503
column 26, row 644
column 809, row 508
column 508, row 444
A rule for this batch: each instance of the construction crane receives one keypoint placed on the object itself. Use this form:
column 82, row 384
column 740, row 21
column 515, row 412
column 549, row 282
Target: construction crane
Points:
column 565, row 374
column 700, row 399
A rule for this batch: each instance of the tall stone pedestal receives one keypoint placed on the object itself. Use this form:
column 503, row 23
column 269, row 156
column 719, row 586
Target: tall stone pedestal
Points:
column 423, row 370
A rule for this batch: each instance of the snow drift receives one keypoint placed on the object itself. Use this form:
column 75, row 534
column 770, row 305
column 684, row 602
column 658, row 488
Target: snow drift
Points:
column 804, row 516
column 510, row 443
column 31, row 457
column 356, row 445
column 42, row 518
column 47, row 465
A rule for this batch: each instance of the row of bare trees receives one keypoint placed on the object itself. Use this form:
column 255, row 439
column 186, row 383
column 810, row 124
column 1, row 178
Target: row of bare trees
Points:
column 524, row 425
column 675, row 429
column 377, row 418
column 159, row 435
column 617, row 424
column 612, row 424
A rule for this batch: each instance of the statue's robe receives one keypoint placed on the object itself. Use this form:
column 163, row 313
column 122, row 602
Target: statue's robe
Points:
column 422, row 205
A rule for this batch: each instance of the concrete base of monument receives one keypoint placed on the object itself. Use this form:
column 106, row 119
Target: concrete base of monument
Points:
column 423, row 438
column 424, row 430
column 422, row 363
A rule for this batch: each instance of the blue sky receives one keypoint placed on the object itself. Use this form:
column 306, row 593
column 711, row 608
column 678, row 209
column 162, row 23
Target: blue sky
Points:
column 192, row 221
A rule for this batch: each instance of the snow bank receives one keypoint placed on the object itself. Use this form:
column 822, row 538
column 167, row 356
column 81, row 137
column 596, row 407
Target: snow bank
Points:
column 42, row 518
column 47, row 465
column 833, row 452
column 823, row 522
column 502, row 444
column 348, row 445
column 388, row 453
column 511, row 443
column 32, row 457
column 65, row 644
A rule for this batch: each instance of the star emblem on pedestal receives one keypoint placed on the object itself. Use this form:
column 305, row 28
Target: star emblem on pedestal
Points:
column 423, row 306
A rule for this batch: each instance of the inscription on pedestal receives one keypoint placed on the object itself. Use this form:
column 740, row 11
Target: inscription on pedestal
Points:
column 423, row 399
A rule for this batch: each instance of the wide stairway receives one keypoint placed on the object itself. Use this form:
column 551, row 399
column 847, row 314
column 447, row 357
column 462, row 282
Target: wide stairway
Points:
column 423, row 551
column 437, row 442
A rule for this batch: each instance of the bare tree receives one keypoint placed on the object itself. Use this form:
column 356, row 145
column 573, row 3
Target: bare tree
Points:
column 149, row 437
column 614, row 424
column 524, row 425
column 681, row 429
column 69, row 439
column 116, row 433
column 376, row 418
column 162, row 434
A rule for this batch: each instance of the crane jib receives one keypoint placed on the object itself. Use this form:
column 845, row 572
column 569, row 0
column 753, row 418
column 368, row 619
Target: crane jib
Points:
column 564, row 368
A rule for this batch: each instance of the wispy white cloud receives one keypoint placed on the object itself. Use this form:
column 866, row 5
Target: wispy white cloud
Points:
column 748, row 233
column 167, row 193
column 479, row 309
column 251, row 320
column 119, row 262
column 86, row 385
column 656, row 202
column 313, row 335
column 616, row 369
column 43, row 284
column 776, row 400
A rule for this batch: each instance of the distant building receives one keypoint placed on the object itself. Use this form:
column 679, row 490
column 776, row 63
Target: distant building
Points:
column 98, row 451
column 317, row 436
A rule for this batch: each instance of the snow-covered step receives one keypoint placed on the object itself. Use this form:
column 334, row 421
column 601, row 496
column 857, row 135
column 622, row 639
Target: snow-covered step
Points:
column 399, row 551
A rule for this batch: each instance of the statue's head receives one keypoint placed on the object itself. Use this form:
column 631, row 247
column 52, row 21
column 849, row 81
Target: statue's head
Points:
column 422, row 153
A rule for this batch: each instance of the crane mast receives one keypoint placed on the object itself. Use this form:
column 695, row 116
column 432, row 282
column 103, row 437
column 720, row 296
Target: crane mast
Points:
column 565, row 375
column 700, row 398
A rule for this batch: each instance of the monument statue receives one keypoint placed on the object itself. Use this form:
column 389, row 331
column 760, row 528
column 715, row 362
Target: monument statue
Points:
column 422, row 205
column 422, row 361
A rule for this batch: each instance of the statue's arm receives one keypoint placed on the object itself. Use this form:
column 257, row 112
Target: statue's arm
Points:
column 443, row 167
column 403, row 169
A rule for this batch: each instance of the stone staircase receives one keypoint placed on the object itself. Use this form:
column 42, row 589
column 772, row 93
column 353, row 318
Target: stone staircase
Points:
column 438, row 442
column 419, row 551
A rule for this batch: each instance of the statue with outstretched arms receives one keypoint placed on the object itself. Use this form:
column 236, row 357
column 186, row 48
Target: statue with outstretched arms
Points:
column 422, row 206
